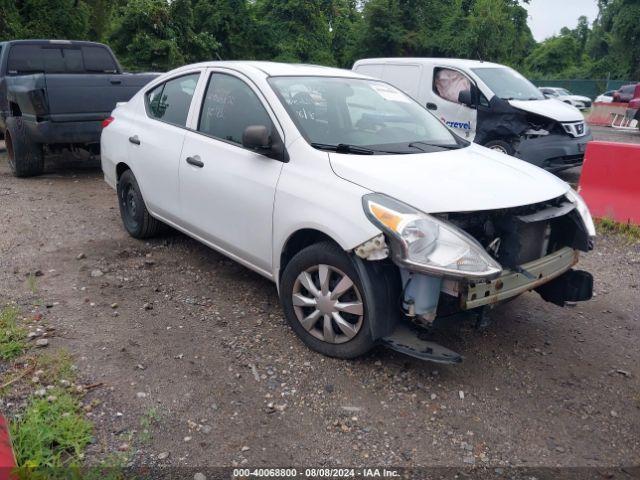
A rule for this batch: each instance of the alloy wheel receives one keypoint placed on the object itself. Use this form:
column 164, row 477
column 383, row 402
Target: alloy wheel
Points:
column 328, row 304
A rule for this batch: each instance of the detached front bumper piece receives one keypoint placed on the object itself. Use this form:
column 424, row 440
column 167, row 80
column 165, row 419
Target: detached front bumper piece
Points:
column 512, row 283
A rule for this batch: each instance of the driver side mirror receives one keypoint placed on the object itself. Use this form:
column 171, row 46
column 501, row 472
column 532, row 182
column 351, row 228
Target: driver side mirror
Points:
column 466, row 98
column 257, row 138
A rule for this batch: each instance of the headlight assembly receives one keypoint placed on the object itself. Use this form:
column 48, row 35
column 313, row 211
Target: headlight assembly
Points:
column 424, row 243
column 575, row 198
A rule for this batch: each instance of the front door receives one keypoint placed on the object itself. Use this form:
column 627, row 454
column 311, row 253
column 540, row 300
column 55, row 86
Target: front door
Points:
column 447, row 85
column 226, row 190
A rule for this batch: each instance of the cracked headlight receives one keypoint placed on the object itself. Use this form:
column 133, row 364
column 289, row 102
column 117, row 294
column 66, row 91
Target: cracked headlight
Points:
column 424, row 243
column 575, row 198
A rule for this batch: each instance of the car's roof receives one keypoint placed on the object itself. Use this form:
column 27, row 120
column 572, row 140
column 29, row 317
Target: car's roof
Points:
column 275, row 69
column 53, row 42
column 453, row 62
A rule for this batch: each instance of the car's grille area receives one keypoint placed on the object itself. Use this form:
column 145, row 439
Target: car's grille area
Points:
column 520, row 235
column 575, row 129
column 587, row 103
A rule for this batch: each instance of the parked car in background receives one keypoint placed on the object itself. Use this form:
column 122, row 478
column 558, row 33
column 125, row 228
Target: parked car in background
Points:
column 490, row 104
column 626, row 93
column 606, row 97
column 54, row 94
column 368, row 213
column 579, row 101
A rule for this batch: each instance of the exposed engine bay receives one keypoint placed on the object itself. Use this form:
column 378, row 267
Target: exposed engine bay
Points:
column 534, row 244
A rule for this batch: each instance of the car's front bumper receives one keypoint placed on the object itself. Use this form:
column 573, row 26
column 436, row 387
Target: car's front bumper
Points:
column 511, row 283
column 554, row 152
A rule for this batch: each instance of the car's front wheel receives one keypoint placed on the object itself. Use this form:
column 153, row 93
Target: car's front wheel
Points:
column 136, row 218
column 325, row 302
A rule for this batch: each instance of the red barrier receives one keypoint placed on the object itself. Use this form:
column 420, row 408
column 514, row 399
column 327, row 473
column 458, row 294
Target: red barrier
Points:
column 610, row 181
column 7, row 458
column 601, row 113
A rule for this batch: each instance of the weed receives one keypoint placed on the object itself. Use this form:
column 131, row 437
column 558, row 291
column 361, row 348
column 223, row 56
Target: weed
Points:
column 628, row 230
column 51, row 433
column 151, row 417
column 32, row 283
column 12, row 336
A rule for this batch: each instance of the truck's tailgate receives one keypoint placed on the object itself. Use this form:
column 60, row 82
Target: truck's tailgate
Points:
column 83, row 97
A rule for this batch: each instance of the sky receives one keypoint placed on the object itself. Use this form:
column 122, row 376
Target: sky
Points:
column 547, row 17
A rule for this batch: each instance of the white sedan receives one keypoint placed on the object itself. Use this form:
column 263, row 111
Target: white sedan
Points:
column 579, row 101
column 369, row 214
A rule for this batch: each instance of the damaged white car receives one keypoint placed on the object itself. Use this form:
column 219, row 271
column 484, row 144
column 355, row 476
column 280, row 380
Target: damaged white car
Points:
column 369, row 214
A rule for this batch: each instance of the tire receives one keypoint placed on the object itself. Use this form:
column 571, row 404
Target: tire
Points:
column 137, row 220
column 356, row 321
column 26, row 158
column 501, row 146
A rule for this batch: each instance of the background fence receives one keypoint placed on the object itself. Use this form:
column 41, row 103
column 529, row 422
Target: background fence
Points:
column 588, row 88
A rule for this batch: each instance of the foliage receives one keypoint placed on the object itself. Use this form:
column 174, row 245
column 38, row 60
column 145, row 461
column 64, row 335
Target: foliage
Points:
column 52, row 433
column 12, row 336
column 162, row 34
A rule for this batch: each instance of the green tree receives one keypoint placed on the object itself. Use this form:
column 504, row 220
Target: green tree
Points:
column 293, row 31
column 556, row 56
column 66, row 19
column 231, row 22
column 157, row 35
column 10, row 26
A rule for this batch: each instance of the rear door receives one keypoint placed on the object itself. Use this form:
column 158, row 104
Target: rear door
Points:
column 155, row 142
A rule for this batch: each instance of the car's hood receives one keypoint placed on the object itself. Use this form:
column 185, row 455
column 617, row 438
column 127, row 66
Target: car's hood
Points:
column 470, row 179
column 550, row 108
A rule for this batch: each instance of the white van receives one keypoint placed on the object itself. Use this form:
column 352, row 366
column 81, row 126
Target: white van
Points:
column 490, row 104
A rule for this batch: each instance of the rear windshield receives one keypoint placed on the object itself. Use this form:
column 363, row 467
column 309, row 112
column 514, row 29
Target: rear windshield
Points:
column 25, row 59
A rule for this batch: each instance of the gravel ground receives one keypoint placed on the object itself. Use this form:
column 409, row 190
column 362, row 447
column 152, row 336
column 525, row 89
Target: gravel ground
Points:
column 193, row 348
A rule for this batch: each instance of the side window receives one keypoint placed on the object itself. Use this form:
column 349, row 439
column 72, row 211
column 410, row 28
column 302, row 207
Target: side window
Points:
column 98, row 59
column 448, row 83
column 170, row 101
column 230, row 106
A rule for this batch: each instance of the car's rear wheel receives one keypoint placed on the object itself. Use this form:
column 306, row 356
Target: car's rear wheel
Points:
column 325, row 302
column 136, row 218
column 26, row 158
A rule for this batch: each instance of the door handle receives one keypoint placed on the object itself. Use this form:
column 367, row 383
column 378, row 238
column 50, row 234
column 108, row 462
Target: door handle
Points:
column 116, row 82
column 195, row 161
column 135, row 140
column 432, row 106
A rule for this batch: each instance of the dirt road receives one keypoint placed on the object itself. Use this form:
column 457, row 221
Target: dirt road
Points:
column 193, row 348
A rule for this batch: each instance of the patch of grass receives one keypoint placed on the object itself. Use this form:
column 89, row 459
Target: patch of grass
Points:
column 32, row 283
column 150, row 418
column 52, row 433
column 12, row 336
column 606, row 225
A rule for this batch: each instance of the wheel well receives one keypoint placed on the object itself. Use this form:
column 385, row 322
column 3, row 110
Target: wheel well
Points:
column 120, row 169
column 300, row 240
column 15, row 109
column 8, row 143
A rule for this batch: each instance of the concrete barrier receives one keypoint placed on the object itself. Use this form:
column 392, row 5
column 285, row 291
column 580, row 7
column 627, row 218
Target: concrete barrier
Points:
column 601, row 113
column 610, row 181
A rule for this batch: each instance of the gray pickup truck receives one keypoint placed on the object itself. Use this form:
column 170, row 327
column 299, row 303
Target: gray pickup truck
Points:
column 54, row 94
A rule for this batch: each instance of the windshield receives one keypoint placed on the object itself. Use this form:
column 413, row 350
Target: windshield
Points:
column 334, row 111
column 508, row 84
column 564, row 91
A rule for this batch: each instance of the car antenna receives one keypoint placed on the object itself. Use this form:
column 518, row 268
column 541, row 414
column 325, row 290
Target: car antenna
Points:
column 219, row 57
column 479, row 56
